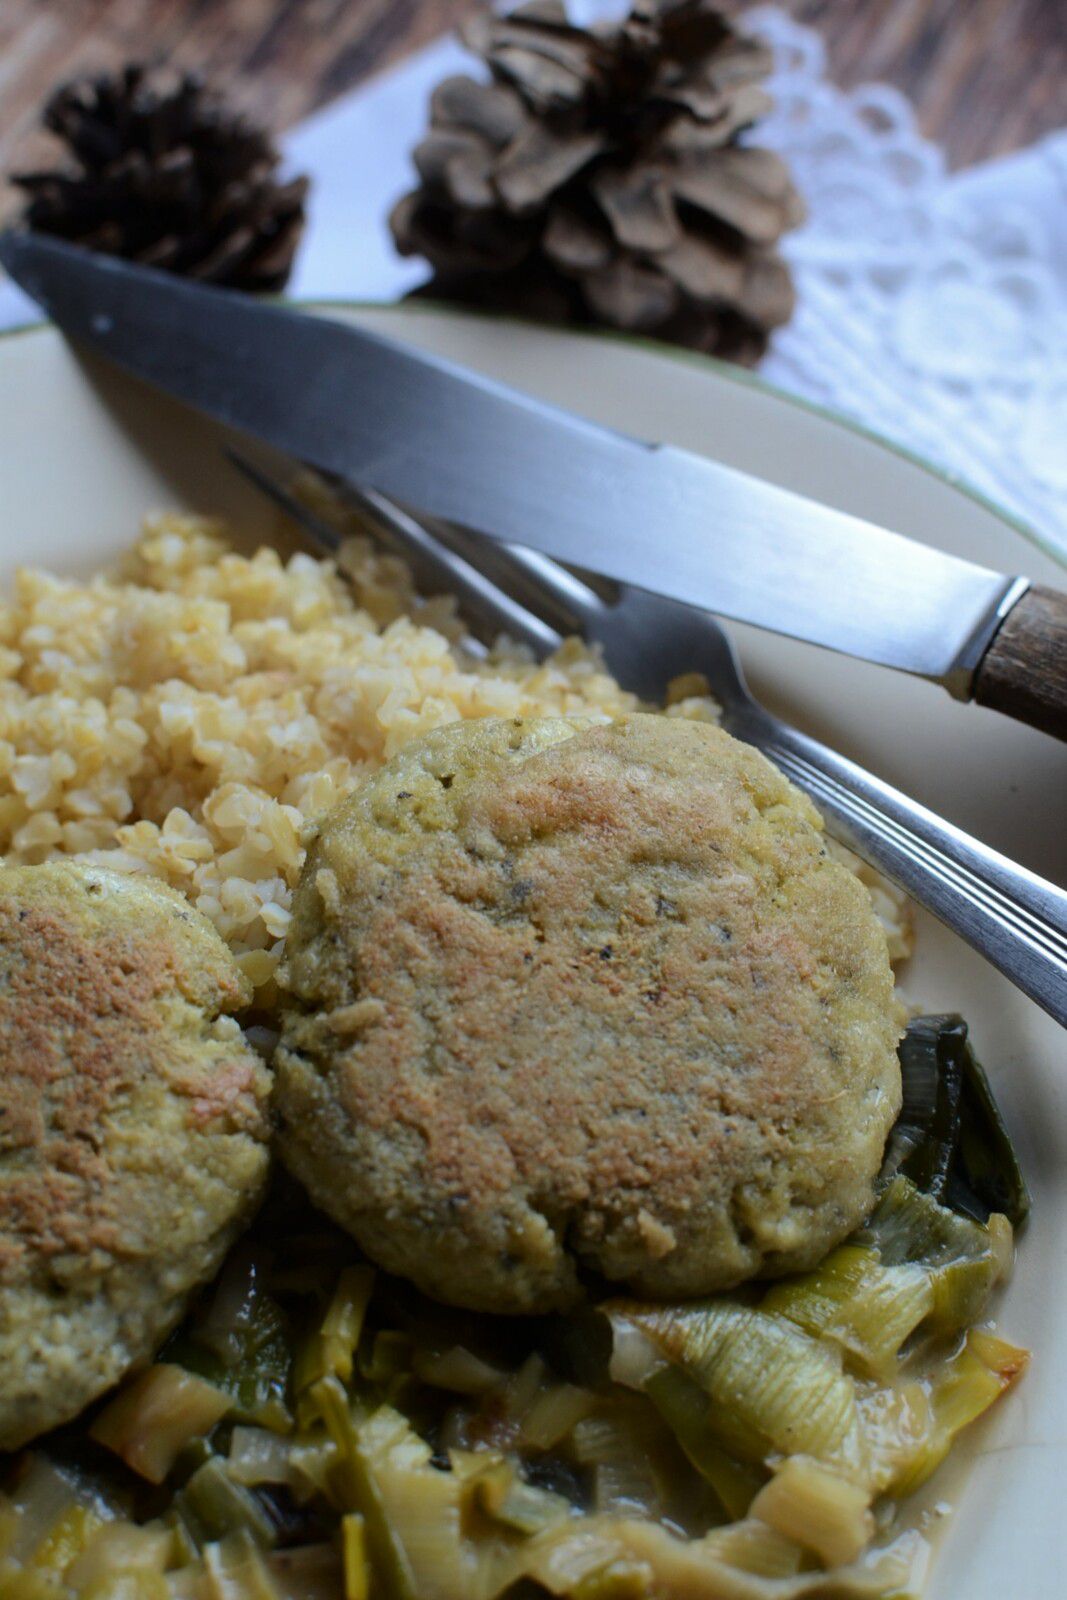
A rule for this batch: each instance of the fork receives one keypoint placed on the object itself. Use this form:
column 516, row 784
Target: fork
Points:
column 1013, row 917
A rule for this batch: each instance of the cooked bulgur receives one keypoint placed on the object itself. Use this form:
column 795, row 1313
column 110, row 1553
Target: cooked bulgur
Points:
column 192, row 715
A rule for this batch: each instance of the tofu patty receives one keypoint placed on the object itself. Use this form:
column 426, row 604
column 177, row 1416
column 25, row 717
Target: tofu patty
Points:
column 133, row 1129
column 572, row 997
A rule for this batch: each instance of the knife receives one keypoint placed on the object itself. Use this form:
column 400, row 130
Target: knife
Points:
column 460, row 447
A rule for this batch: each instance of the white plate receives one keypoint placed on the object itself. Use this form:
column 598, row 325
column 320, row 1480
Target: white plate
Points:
column 83, row 454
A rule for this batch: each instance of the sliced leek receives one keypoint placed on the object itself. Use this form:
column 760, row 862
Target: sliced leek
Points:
column 331, row 1348
column 818, row 1509
column 950, row 1138
column 771, row 1386
column 683, row 1405
column 156, row 1415
column 750, row 1446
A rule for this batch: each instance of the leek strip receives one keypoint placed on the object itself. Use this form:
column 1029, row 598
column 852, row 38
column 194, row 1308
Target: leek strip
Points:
column 250, row 1362
column 42, row 1496
column 386, row 1362
column 156, row 1415
column 772, row 1387
column 312, row 1467
column 960, row 1391
column 235, row 1307
column 631, row 1454
column 258, row 1456
column 872, row 1327
column 212, row 1506
column 566, row 1557
column 358, row 1490
column 986, row 1154
column 626, row 1485
column 619, row 1580
column 813, row 1299
column 424, row 1508
column 950, row 1139
column 121, row 1547
column 916, row 1263
column 964, row 1258
column 748, row 1562
column 458, row 1370
column 754, row 1546
column 184, row 1549
column 354, row 1550
column 553, row 1415
column 234, row 1569
column 523, row 1507
column 683, row 1405
column 67, row 1538
column 331, row 1348
column 634, row 1356
column 932, row 1081
column 896, row 1418
column 523, row 1388
column 867, row 1308
column 125, row 1586
column 818, row 1509
column 907, row 1225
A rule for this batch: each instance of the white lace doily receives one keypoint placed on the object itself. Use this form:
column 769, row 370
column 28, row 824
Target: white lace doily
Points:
column 931, row 308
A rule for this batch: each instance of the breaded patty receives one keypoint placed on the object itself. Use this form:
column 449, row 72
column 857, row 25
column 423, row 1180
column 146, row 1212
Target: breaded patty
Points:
column 584, row 996
column 133, row 1129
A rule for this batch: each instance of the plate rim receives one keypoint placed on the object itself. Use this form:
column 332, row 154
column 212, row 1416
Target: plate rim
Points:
column 984, row 1479
column 725, row 370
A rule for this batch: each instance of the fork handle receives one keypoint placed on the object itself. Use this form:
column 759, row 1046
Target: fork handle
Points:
column 1024, row 671
column 1017, row 920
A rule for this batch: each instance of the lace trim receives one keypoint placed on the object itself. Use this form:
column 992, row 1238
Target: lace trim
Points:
column 932, row 308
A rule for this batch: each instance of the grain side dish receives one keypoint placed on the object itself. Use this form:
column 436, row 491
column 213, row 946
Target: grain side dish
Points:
column 244, row 798
column 194, row 714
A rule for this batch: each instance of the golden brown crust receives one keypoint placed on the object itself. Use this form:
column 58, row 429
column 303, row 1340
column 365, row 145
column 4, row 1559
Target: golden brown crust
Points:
column 585, row 995
column 132, row 1128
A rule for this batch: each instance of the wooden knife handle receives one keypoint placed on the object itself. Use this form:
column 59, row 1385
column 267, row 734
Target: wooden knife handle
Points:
column 1024, row 671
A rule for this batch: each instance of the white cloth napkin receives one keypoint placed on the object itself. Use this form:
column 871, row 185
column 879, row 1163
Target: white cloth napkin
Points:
column 932, row 308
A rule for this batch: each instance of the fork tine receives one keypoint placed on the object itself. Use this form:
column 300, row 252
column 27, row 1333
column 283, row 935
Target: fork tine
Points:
column 503, row 566
column 481, row 599
column 535, row 580
column 475, row 589
column 319, row 530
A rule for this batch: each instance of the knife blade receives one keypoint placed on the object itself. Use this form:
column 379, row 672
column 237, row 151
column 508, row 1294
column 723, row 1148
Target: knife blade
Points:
column 458, row 446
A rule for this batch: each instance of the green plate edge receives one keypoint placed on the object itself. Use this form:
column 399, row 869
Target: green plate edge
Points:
column 723, row 369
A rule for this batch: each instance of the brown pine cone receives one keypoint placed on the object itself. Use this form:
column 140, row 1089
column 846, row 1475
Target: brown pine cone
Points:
column 161, row 171
column 599, row 176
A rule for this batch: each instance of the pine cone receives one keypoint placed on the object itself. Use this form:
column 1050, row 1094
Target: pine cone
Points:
column 599, row 177
column 162, row 172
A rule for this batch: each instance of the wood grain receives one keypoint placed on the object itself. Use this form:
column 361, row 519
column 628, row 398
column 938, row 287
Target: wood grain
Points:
column 1024, row 671
column 985, row 75
column 277, row 59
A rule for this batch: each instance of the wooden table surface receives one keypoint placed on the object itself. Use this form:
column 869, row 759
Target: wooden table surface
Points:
column 985, row 75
